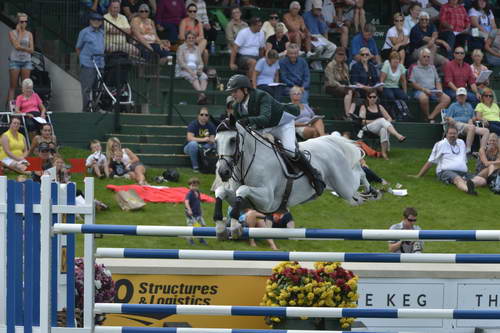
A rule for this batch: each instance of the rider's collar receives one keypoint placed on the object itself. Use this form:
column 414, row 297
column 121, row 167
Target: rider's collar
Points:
column 244, row 105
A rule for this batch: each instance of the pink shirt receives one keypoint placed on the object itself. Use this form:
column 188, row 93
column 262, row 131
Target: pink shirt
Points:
column 28, row 104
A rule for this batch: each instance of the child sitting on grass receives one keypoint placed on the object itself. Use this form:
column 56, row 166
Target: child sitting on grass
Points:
column 118, row 167
column 192, row 202
column 97, row 163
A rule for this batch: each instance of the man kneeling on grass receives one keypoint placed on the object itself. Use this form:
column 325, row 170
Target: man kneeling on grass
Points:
column 450, row 155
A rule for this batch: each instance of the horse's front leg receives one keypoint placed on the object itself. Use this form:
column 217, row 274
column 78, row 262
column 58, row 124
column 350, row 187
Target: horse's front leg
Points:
column 220, row 225
column 261, row 197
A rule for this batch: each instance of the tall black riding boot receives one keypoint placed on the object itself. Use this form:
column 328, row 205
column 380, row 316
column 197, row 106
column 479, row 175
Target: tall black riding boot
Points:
column 311, row 172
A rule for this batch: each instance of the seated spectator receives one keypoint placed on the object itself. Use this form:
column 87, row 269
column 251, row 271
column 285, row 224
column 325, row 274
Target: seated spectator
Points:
column 251, row 218
column 47, row 137
column 132, row 7
column 97, row 163
column 248, row 47
column 202, row 16
column 20, row 56
column 365, row 39
column 234, row 26
column 266, row 74
column 364, row 73
column 427, row 86
column 454, row 24
column 408, row 223
column 376, row 120
column 168, row 18
column 115, row 152
column 307, row 124
column 481, row 17
column 294, row 71
column 143, row 29
column 412, row 18
column 58, row 172
column 488, row 111
column 279, row 41
column 450, row 156
column 318, row 29
column 457, row 73
column 351, row 12
column 269, row 27
column 477, row 67
column 396, row 39
column 200, row 132
column 492, row 47
column 333, row 22
column 191, row 24
column 425, row 6
column 461, row 115
column 392, row 75
column 297, row 30
column 337, row 80
column 281, row 220
column 489, row 157
column 116, row 29
column 424, row 35
column 13, row 150
column 30, row 105
column 190, row 66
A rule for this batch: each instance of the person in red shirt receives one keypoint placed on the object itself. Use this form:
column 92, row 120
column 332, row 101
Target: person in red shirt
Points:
column 31, row 106
column 454, row 23
column 168, row 17
column 458, row 73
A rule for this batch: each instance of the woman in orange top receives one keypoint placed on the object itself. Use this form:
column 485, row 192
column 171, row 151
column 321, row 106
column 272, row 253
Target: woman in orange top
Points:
column 190, row 23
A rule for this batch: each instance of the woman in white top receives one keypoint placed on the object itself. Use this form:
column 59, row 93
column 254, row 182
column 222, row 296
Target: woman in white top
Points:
column 482, row 18
column 397, row 39
column 393, row 75
column 266, row 73
column 133, row 164
column 190, row 66
column 412, row 19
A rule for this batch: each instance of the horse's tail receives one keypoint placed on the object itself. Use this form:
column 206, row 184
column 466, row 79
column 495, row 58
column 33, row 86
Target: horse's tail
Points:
column 352, row 152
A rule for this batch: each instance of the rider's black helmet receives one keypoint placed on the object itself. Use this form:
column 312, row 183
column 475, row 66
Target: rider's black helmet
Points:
column 238, row 81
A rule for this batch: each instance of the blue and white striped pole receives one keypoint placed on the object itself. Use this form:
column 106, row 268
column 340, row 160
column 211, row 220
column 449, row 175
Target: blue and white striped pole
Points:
column 338, row 234
column 116, row 329
column 277, row 311
column 299, row 256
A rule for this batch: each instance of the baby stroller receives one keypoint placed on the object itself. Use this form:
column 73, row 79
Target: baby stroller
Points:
column 40, row 77
column 112, row 86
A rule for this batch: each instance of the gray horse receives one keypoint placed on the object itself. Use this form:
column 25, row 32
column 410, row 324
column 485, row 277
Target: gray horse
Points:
column 254, row 175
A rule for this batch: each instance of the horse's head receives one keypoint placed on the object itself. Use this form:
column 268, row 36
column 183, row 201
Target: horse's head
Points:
column 227, row 148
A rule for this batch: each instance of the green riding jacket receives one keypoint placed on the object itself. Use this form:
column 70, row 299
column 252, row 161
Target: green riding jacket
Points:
column 263, row 110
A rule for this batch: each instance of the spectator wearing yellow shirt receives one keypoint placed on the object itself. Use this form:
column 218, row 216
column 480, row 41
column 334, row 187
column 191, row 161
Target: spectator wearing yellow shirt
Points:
column 13, row 149
column 116, row 39
column 488, row 111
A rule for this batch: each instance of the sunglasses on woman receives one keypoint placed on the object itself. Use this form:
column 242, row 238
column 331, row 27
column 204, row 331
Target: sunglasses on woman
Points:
column 372, row 96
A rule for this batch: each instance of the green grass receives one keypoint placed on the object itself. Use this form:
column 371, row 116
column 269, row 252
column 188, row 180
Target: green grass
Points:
column 439, row 207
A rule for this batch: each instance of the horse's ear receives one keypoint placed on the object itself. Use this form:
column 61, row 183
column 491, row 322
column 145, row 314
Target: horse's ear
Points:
column 232, row 121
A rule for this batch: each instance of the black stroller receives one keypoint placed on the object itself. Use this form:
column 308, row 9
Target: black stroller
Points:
column 112, row 87
column 40, row 77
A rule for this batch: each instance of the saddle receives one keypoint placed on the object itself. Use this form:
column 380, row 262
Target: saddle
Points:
column 290, row 167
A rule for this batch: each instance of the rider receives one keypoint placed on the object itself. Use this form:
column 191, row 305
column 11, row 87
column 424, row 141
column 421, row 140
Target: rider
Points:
column 256, row 108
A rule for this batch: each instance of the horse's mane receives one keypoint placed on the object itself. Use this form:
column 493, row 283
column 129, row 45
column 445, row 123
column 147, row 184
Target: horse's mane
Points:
column 225, row 125
column 352, row 152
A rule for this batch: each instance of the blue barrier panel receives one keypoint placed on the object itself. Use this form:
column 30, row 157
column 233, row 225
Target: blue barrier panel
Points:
column 36, row 259
column 29, row 254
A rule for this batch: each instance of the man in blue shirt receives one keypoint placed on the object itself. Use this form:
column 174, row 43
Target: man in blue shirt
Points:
column 315, row 23
column 461, row 115
column 425, row 35
column 295, row 72
column 200, row 132
column 365, row 39
column 90, row 42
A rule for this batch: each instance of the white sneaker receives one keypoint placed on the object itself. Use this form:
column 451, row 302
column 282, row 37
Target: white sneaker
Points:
column 316, row 65
column 310, row 54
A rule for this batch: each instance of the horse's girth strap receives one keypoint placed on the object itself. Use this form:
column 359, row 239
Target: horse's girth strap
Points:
column 286, row 194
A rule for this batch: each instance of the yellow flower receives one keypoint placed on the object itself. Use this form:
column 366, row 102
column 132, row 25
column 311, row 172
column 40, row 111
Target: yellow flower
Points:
column 300, row 295
column 300, row 301
column 283, row 303
column 345, row 325
column 292, row 303
column 276, row 319
column 310, row 296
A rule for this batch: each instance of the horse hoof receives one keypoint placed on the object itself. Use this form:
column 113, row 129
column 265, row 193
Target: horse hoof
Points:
column 221, row 231
column 236, row 229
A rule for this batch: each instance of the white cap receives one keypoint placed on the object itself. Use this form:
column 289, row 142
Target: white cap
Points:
column 317, row 4
column 461, row 91
column 423, row 14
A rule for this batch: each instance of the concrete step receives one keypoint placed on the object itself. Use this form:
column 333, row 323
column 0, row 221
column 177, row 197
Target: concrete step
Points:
column 155, row 148
column 156, row 139
column 153, row 129
column 165, row 160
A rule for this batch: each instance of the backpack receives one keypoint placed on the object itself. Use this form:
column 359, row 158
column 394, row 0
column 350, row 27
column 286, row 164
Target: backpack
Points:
column 494, row 182
column 207, row 159
column 398, row 110
column 172, row 175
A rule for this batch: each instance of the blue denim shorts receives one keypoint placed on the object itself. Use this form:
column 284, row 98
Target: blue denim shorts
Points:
column 20, row 65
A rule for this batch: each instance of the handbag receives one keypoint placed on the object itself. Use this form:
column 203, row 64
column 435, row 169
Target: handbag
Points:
column 129, row 200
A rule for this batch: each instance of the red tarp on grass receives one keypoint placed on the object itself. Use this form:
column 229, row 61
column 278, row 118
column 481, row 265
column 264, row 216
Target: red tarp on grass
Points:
column 154, row 194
